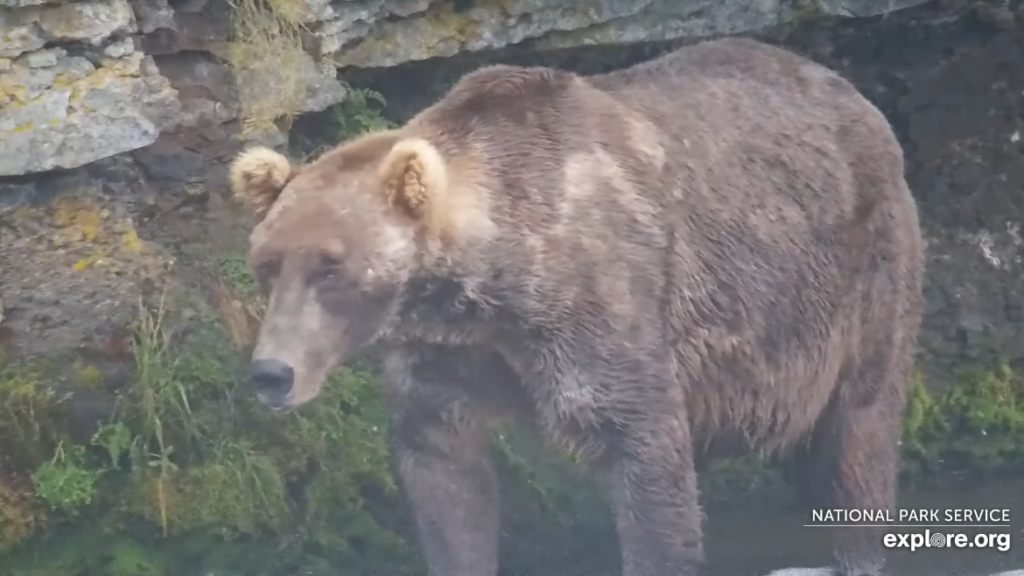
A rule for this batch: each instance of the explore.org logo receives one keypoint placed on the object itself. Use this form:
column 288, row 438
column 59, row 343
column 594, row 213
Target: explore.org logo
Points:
column 999, row 541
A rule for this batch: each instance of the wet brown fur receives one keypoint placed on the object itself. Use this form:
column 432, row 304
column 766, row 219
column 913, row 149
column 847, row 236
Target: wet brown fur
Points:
column 713, row 251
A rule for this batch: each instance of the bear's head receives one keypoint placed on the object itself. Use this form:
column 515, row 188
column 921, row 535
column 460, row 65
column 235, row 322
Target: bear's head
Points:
column 338, row 242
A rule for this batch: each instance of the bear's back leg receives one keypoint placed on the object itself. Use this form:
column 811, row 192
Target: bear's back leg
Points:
column 852, row 459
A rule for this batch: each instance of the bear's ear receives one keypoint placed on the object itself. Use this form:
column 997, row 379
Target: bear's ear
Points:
column 414, row 178
column 258, row 175
column 447, row 199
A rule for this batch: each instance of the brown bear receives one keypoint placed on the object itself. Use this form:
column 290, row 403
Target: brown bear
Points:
column 709, row 251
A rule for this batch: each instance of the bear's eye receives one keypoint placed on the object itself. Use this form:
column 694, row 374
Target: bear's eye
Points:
column 328, row 269
column 266, row 270
column 329, row 261
column 323, row 275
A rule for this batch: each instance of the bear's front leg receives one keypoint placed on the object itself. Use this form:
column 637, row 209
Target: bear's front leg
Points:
column 440, row 448
column 454, row 497
column 653, row 490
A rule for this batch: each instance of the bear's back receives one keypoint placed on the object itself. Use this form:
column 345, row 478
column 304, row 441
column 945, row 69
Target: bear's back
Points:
column 730, row 196
column 795, row 241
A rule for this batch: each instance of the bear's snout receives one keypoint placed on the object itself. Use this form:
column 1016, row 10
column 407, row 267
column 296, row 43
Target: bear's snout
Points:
column 273, row 380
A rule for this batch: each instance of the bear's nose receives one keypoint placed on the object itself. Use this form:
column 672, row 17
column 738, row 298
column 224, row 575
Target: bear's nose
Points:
column 272, row 378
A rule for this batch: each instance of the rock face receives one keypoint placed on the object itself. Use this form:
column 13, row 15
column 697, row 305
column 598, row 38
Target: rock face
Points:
column 385, row 33
column 953, row 87
column 83, row 81
column 89, row 79
column 61, row 109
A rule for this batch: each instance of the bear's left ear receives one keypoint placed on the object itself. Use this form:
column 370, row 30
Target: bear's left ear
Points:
column 258, row 176
column 414, row 178
column 447, row 199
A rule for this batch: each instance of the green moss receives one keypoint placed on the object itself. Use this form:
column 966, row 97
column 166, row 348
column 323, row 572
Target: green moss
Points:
column 29, row 412
column 89, row 377
column 191, row 472
column 975, row 427
column 729, row 479
column 242, row 492
column 131, row 559
column 519, row 460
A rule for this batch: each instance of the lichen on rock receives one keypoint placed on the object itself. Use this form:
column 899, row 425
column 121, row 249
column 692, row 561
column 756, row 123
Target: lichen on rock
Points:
column 73, row 113
column 75, row 86
column 369, row 34
column 33, row 27
column 73, row 267
column 64, row 110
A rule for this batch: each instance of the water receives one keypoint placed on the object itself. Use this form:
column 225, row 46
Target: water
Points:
column 750, row 540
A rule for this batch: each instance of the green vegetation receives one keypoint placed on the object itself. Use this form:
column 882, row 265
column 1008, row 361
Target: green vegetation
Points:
column 360, row 113
column 975, row 427
column 64, row 482
column 190, row 472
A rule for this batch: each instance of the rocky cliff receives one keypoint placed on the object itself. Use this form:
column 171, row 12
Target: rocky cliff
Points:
column 89, row 79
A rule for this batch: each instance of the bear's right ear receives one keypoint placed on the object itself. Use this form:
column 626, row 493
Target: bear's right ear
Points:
column 258, row 175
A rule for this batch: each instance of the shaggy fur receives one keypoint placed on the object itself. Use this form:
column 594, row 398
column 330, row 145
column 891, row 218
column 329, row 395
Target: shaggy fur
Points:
column 709, row 252
column 259, row 174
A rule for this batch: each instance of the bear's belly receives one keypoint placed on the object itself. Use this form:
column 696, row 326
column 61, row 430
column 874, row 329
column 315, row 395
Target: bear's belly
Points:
column 737, row 407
